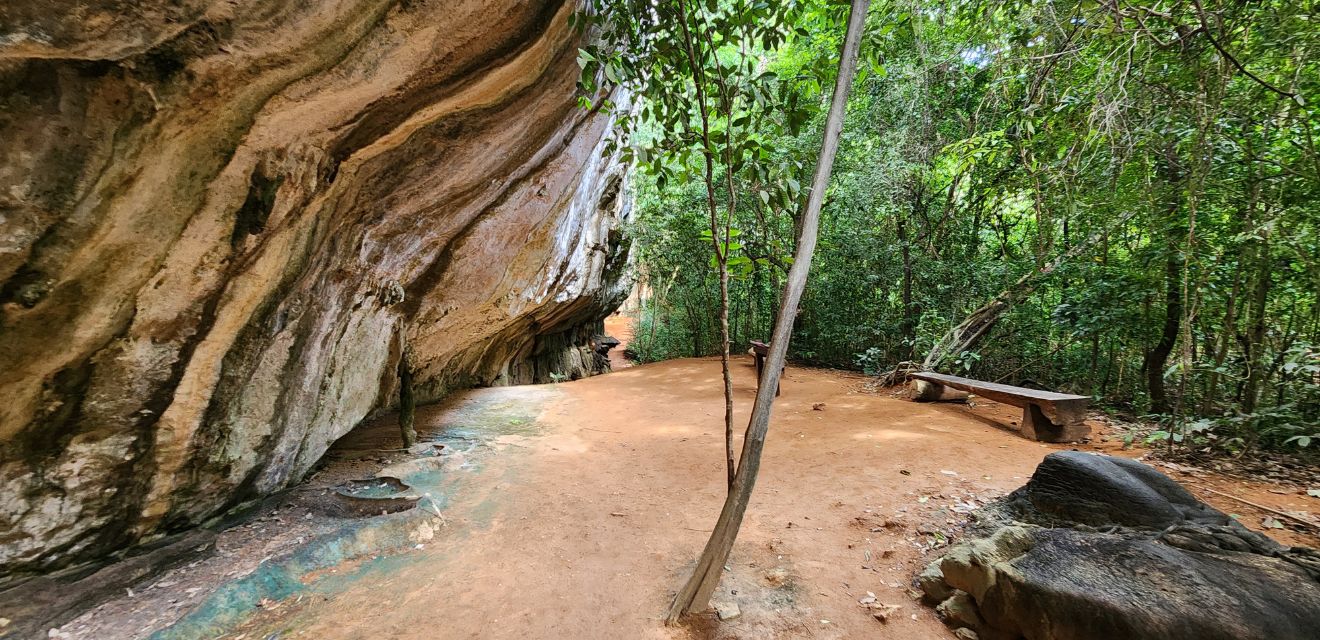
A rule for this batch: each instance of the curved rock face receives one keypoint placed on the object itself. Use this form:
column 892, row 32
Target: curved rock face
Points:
column 1096, row 548
column 221, row 221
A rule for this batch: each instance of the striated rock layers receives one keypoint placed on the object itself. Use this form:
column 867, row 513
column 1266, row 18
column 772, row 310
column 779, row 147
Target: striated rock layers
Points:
column 222, row 220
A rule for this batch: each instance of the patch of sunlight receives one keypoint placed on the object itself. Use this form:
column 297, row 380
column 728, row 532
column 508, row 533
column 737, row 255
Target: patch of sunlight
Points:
column 566, row 443
column 889, row 435
column 676, row 430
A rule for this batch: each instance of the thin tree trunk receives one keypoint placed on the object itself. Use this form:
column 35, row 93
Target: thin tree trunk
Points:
column 407, row 402
column 1220, row 350
column 1159, row 354
column 1095, row 336
column 719, row 241
column 695, row 594
column 1156, row 359
column 908, row 330
column 1254, row 343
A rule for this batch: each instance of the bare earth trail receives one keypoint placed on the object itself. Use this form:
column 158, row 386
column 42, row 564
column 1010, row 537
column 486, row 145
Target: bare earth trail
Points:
column 582, row 525
column 620, row 327
column 592, row 523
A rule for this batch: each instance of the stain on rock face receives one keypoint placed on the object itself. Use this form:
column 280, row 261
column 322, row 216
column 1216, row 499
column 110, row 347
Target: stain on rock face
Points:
column 220, row 222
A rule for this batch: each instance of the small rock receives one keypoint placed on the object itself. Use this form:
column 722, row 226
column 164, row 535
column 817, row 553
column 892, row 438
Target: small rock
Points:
column 727, row 610
column 819, row 406
column 966, row 634
column 931, row 581
column 960, row 611
column 421, row 448
column 777, row 577
column 423, row 533
column 883, row 612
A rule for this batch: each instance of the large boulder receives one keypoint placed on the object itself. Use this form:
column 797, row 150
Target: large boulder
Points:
column 1098, row 548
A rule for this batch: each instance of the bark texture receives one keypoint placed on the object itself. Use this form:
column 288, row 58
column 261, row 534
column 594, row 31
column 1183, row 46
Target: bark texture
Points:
column 217, row 216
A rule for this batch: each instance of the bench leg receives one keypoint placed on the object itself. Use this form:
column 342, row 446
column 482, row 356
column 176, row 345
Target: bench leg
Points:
column 923, row 391
column 760, row 371
column 1037, row 426
column 926, row 391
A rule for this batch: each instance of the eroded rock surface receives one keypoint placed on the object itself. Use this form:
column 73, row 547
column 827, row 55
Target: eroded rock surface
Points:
column 220, row 221
column 1096, row 547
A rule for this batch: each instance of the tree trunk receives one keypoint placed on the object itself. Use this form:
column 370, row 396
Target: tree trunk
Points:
column 1171, row 174
column 719, row 241
column 1159, row 354
column 695, row 594
column 1227, row 330
column 729, row 465
column 1253, row 343
column 407, row 402
column 908, row 330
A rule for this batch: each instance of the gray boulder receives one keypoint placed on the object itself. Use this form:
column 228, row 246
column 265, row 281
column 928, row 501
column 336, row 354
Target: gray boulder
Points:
column 1098, row 548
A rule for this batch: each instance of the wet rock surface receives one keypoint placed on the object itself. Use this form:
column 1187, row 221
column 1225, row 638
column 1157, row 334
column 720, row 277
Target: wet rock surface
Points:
column 1097, row 547
column 222, row 223
column 303, row 544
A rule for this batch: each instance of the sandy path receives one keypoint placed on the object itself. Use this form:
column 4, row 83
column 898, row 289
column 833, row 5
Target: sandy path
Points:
column 586, row 530
column 621, row 328
column 579, row 508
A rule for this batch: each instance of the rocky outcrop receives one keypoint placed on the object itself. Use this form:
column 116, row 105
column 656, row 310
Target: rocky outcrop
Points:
column 1095, row 548
column 222, row 220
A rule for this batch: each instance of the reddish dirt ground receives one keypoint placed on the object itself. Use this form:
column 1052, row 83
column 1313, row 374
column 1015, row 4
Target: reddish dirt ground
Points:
column 582, row 523
column 585, row 530
column 620, row 327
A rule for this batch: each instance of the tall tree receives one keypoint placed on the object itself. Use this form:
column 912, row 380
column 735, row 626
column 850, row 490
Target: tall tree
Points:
column 694, row 69
column 695, row 593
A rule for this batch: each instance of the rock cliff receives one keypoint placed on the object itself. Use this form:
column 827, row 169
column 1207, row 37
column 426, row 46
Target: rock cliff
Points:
column 222, row 220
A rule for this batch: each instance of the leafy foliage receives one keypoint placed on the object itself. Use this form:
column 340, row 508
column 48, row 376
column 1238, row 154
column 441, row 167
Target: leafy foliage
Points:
column 985, row 139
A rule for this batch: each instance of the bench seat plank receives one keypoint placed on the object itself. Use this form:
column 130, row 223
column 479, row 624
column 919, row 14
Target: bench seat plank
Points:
column 977, row 386
column 1046, row 415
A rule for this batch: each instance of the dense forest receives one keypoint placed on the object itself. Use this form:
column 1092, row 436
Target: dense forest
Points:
column 1109, row 198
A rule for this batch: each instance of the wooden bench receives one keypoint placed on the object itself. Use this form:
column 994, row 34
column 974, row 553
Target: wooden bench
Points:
column 1046, row 416
column 762, row 351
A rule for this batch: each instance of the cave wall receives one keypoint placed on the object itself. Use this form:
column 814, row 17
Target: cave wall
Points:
column 222, row 220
